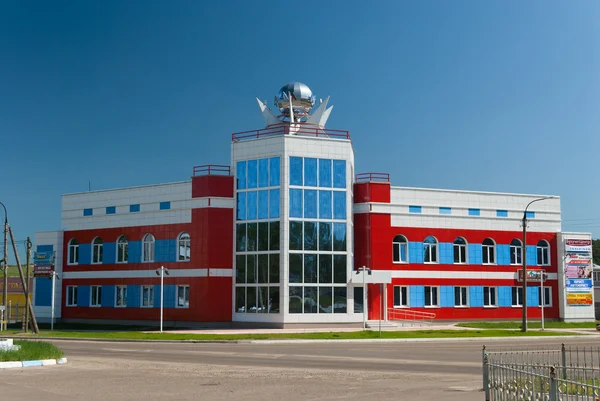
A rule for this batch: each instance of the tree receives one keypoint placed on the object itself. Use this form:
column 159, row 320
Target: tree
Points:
column 596, row 251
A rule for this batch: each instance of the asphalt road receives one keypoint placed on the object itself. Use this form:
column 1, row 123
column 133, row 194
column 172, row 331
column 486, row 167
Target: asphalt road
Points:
column 433, row 370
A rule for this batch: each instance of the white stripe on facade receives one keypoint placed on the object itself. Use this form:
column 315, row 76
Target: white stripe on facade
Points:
column 204, row 272
column 448, row 274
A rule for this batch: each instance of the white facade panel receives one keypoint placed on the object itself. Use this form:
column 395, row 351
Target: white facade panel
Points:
column 54, row 238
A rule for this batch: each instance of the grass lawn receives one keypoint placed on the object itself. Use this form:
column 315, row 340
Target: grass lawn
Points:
column 31, row 351
column 530, row 325
column 132, row 335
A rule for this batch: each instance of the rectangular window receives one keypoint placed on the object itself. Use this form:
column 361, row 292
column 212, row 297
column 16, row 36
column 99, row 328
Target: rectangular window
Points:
column 401, row 297
column 430, row 252
column 325, row 209
column 489, row 296
column 461, row 296
column 240, row 172
column 295, row 305
column 296, row 203
column 431, row 296
column 96, row 296
column 488, row 254
column 517, row 296
column 274, row 269
column 274, row 171
column 296, row 171
column 240, row 241
column 340, row 300
column 121, row 296
column 310, row 204
column 547, row 296
column 274, row 236
column 325, row 269
column 339, row 237
column 516, row 256
column 251, row 212
column 310, row 268
column 474, row 212
column 325, row 173
column 97, row 251
column 339, row 205
column 251, row 269
column 414, row 209
column 274, row 204
column 296, row 236
column 147, row 296
column 325, row 236
column 310, row 172
column 241, row 206
column 88, row 212
column 252, row 173
column 72, row 295
column 359, row 300
column 339, row 174
column 165, row 205
column 295, row 268
column 252, row 236
column 263, row 204
column 445, row 210
column 183, row 296
column 460, row 252
column 400, row 251
column 543, row 257
column 310, row 236
column 339, row 269
column 263, row 173
column 111, row 210
column 501, row 213
column 530, row 215
column 134, row 208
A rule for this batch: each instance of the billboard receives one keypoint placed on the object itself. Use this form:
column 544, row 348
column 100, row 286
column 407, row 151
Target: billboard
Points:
column 578, row 272
column 43, row 264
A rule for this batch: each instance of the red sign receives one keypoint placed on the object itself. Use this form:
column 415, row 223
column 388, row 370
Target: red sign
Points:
column 579, row 242
column 15, row 286
column 42, row 271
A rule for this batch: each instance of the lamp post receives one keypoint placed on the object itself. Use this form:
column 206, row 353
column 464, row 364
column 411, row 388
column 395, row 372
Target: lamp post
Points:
column 53, row 277
column 161, row 272
column 364, row 269
column 524, row 254
column 5, row 270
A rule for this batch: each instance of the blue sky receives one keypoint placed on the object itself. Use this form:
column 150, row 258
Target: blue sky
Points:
column 494, row 96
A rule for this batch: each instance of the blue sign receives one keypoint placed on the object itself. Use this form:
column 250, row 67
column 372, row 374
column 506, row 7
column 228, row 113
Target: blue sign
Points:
column 43, row 258
column 579, row 284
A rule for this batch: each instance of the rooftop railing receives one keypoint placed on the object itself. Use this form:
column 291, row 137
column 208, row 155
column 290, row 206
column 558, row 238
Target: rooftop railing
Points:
column 211, row 169
column 300, row 129
column 372, row 177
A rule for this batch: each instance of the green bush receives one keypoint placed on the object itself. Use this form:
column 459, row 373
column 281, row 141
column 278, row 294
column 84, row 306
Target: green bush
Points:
column 31, row 351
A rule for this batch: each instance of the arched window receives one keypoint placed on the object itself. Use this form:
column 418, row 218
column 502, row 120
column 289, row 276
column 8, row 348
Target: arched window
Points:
column 148, row 248
column 516, row 252
column 543, row 253
column 400, row 249
column 97, row 250
column 73, row 252
column 184, row 247
column 122, row 249
column 460, row 251
column 488, row 252
column 430, row 250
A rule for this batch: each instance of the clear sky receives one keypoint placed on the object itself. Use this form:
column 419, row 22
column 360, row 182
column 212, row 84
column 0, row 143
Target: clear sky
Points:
column 481, row 95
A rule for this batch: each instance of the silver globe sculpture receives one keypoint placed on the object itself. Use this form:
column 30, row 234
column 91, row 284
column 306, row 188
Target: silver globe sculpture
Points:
column 301, row 97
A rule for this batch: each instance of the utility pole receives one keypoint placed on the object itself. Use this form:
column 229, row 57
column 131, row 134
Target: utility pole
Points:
column 34, row 326
column 27, row 275
column 5, row 271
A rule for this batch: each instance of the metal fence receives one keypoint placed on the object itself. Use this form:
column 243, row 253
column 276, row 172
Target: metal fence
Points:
column 15, row 313
column 567, row 374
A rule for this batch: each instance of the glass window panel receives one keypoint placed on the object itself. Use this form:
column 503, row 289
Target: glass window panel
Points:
column 240, row 238
column 251, row 211
column 295, row 268
column 339, row 174
column 240, row 171
column 274, row 172
column 339, row 205
column 263, row 269
column 263, row 236
column 310, row 204
column 274, row 236
column 273, row 299
column 295, row 203
column 310, row 299
column 310, row 268
column 240, row 299
column 340, row 300
column 325, row 210
column 240, row 266
column 251, row 269
column 325, row 173
column 325, row 300
column 251, row 300
column 263, row 204
column 358, row 300
column 325, row 269
column 325, row 237
column 339, row 269
column 339, row 237
column 310, row 172
column 274, row 204
column 263, row 173
column 263, row 300
column 296, row 171
column 295, row 235
column 295, row 299
column 252, row 228
column 241, row 206
column 310, row 236
column 274, row 268
column 252, row 173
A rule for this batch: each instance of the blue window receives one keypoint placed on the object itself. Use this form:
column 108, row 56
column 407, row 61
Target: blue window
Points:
column 295, row 171
column 274, row 204
column 414, row 209
column 240, row 171
column 88, row 212
column 263, row 204
column 445, row 210
column 251, row 214
column 339, row 237
column 252, row 173
column 530, row 215
column 310, row 172
column 241, row 206
column 310, row 204
column 501, row 213
column 274, row 173
column 165, row 205
column 474, row 212
column 325, row 173
column 339, row 174
column 339, row 205
column 263, row 173
column 111, row 210
column 295, row 203
column 325, row 211
column 134, row 208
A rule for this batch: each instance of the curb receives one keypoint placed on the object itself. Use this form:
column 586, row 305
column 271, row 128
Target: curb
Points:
column 28, row 364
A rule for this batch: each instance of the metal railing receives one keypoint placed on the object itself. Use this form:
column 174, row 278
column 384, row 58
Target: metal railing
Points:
column 372, row 177
column 211, row 169
column 15, row 313
column 408, row 315
column 571, row 373
column 301, row 129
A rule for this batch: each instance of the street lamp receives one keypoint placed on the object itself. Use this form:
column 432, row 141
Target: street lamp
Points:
column 364, row 269
column 161, row 272
column 53, row 277
column 5, row 271
column 524, row 255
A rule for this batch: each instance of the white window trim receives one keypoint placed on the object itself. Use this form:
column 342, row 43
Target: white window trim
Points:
column 520, row 305
column 428, row 245
column 407, row 297
column 72, row 246
column 116, row 296
column 468, row 300
column 189, row 241
column 100, row 250
column 151, row 305
column 495, row 292
column 67, row 300
column 177, row 296
column 92, row 288
column 465, row 246
column 549, row 304
column 517, row 263
column 144, row 242
column 400, row 244
column 547, row 248
column 117, row 255
column 438, row 297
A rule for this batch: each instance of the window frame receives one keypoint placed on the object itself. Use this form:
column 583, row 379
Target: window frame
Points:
column 485, row 248
column 150, row 289
column 185, row 287
column 74, row 248
column 123, row 289
column 518, row 250
column 402, row 242
column 98, row 290
column 519, row 290
column 437, row 296
column 151, row 242
column 427, row 247
column 401, row 305
column 464, row 246
column 485, row 300
column 544, row 246
column 122, row 242
column 548, row 300
column 97, row 251
column 464, row 302
column 181, row 240
column 71, row 296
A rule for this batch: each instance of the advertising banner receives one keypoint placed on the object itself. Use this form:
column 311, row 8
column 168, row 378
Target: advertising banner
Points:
column 42, row 271
column 15, row 286
column 579, row 285
column 578, row 245
column 578, row 272
column 533, row 275
column 43, row 258
column 579, row 298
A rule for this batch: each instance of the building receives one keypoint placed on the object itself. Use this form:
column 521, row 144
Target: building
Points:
column 289, row 234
